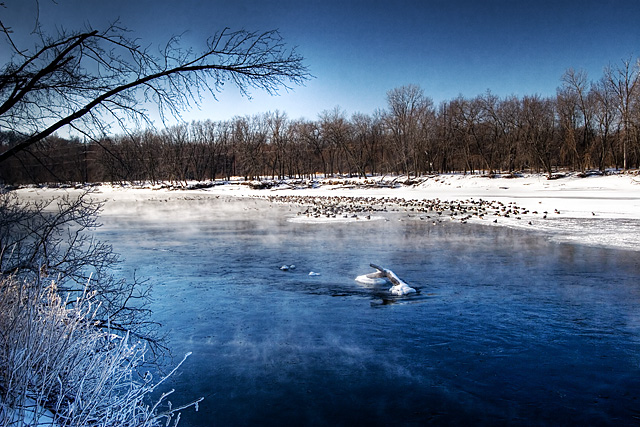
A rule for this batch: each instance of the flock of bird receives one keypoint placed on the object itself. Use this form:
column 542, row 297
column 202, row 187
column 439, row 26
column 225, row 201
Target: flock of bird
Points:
column 435, row 210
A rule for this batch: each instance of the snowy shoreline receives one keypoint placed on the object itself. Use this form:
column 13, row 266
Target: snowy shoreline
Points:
column 595, row 210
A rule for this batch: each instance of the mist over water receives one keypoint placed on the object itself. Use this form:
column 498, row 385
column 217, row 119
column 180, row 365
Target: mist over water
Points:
column 507, row 327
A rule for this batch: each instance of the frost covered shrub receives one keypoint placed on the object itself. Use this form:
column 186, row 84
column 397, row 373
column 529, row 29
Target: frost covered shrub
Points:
column 58, row 369
column 54, row 237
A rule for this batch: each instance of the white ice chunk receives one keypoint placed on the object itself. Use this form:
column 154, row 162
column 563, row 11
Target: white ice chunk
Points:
column 384, row 276
column 401, row 289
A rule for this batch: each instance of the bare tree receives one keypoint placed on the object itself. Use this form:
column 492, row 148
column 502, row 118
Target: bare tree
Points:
column 277, row 124
column 249, row 139
column 467, row 120
column 90, row 79
column 509, row 114
column 492, row 130
column 335, row 131
column 446, row 142
column 408, row 109
column 367, row 140
column 624, row 82
column 206, row 142
column 605, row 118
column 311, row 136
column 538, row 128
column 576, row 112
column 342, row 134
column 178, row 148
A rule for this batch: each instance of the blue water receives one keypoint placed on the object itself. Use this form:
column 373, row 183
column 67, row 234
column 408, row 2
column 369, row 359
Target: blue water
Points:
column 507, row 328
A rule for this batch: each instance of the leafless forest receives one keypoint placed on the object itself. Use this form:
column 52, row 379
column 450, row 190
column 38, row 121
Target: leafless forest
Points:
column 588, row 125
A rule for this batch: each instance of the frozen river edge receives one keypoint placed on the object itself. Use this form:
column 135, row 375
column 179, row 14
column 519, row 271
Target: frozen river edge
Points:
column 601, row 211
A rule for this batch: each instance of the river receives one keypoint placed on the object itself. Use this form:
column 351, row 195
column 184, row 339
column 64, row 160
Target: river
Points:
column 508, row 326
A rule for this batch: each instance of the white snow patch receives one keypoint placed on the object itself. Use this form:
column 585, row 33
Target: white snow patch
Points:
column 402, row 289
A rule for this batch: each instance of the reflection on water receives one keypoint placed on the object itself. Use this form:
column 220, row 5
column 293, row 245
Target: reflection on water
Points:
column 507, row 328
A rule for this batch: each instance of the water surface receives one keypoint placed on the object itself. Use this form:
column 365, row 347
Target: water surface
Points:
column 508, row 327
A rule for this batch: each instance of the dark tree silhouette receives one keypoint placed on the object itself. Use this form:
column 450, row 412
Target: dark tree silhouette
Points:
column 91, row 79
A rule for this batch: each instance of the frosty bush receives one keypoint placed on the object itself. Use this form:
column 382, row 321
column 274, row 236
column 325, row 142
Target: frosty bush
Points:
column 57, row 368
column 54, row 237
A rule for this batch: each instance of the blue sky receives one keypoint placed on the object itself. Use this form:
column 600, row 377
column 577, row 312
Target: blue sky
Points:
column 358, row 50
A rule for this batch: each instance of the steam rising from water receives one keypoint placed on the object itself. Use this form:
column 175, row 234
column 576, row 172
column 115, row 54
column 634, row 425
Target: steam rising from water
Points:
column 508, row 327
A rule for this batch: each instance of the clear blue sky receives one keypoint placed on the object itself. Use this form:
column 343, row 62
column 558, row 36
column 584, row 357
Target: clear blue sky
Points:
column 358, row 50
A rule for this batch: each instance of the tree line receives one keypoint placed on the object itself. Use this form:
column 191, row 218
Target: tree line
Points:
column 587, row 125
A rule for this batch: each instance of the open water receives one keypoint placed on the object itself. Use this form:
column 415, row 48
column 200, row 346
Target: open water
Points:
column 508, row 327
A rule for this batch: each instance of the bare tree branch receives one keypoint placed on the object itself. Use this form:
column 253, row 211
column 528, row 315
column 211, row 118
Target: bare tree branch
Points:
column 94, row 78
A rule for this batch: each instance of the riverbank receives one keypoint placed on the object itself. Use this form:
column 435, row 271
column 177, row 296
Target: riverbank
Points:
column 595, row 210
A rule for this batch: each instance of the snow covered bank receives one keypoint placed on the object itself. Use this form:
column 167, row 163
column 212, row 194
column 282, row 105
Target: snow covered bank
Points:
column 595, row 210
